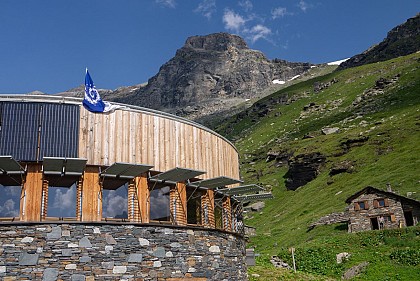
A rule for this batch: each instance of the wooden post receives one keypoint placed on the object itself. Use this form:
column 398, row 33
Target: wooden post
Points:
column 92, row 195
column 227, row 214
column 207, row 205
column 132, row 202
column 143, row 198
column 32, row 191
column 79, row 194
column 44, row 208
column 179, row 196
column 293, row 258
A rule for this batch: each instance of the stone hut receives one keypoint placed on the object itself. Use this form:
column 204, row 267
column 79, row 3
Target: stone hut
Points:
column 372, row 208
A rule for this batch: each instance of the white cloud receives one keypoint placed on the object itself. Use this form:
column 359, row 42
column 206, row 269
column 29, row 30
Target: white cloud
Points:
column 66, row 200
column 278, row 12
column 233, row 21
column 167, row 3
column 114, row 205
column 206, row 8
column 303, row 5
column 259, row 31
column 8, row 209
column 246, row 5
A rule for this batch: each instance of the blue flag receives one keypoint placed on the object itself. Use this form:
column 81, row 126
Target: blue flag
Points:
column 92, row 100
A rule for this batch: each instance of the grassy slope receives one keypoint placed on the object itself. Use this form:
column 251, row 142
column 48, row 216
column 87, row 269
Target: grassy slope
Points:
column 391, row 154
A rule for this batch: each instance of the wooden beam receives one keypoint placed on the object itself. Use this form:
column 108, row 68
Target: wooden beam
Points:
column 92, row 195
column 32, row 188
column 178, row 195
column 143, row 198
column 227, row 214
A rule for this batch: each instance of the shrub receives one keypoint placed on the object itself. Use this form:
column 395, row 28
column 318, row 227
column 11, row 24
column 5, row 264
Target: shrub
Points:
column 406, row 256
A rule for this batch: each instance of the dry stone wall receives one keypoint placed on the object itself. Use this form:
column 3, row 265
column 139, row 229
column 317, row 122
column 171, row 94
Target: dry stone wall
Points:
column 86, row 252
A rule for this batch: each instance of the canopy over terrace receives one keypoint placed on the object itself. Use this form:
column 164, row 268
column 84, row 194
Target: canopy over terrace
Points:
column 159, row 158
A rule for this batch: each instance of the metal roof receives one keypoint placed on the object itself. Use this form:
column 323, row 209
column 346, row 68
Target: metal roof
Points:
column 125, row 170
column 11, row 171
column 254, row 197
column 240, row 189
column 63, row 166
column 118, row 174
column 177, row 175
column 215, row 182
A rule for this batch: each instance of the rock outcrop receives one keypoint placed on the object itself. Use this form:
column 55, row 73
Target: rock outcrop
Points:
column 302, row 169
column 400, row 41
column 210, row 74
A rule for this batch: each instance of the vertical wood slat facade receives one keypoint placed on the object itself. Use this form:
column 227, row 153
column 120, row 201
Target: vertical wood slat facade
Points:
column 138, row 137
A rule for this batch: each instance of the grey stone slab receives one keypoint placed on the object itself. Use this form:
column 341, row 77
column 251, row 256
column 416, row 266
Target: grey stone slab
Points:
column 135, row 258
column 85, row 243
column 28, row 259
column 54, row 234
column 78, row 277
column 159, row 252
column 50, row 274
column 66, row 252
column 85, row 259
column 110, row 240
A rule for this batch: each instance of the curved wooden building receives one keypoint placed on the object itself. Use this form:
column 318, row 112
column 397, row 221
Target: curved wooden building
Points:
column 171, row 170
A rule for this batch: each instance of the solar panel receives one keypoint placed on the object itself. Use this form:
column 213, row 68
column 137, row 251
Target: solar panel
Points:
column 125, row 170
column 240, row 189
column 64, row 166
column 215, row 182
column 177, row 175
column 254, row 197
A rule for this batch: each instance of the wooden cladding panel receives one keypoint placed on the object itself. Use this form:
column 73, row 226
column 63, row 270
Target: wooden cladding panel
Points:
column 137, row 137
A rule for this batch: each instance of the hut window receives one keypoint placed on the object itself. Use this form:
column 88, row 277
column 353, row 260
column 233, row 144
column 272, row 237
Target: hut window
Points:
column 159, row 202
column 378, row 203
column 9, row 201
column 115, row 203
column 362, row 205
column 61, row 202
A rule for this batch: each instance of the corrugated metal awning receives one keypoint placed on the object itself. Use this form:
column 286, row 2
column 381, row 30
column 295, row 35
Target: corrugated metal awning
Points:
column 120, row 173
column 177, row 175
column 240, row 189
column 215, row 182
column 11, row 172
column 63, row 166
column 253, row 197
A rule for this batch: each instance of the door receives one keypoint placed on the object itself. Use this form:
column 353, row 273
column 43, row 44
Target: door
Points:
column 374, row 223
column 408, row 215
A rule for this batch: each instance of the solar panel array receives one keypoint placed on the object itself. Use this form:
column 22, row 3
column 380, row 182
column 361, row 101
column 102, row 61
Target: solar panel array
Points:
column 30, row 131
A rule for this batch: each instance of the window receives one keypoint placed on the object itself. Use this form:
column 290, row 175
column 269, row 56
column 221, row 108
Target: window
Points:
column 61, row 202
column 380, row 203
column 194, row 206
column 362, row 205
column 10, row 201
column 115, row 203
column 159, row 202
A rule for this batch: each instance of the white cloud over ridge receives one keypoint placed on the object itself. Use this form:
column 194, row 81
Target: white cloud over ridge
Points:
column 246, row 5
column 303, row 5
column 166, row 3
column 259, row 31
column 233, row 21
column 8, row 209
column 278, row 12
column 207, row 8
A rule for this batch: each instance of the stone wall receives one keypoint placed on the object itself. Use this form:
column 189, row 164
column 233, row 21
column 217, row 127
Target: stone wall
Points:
column 360, row 219
column 77, row 251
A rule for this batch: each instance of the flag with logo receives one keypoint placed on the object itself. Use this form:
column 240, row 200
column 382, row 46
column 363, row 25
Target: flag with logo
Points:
column 93, row 101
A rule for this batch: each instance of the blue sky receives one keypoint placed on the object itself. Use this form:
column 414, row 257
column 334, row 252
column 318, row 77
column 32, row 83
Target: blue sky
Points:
column 46, row 45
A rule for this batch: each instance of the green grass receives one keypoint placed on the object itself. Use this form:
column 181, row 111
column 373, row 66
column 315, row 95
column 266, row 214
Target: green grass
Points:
column 390, row 122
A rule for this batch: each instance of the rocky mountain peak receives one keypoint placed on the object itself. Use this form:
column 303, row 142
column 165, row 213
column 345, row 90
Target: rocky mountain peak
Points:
column 210, row 74
column 216, row 42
